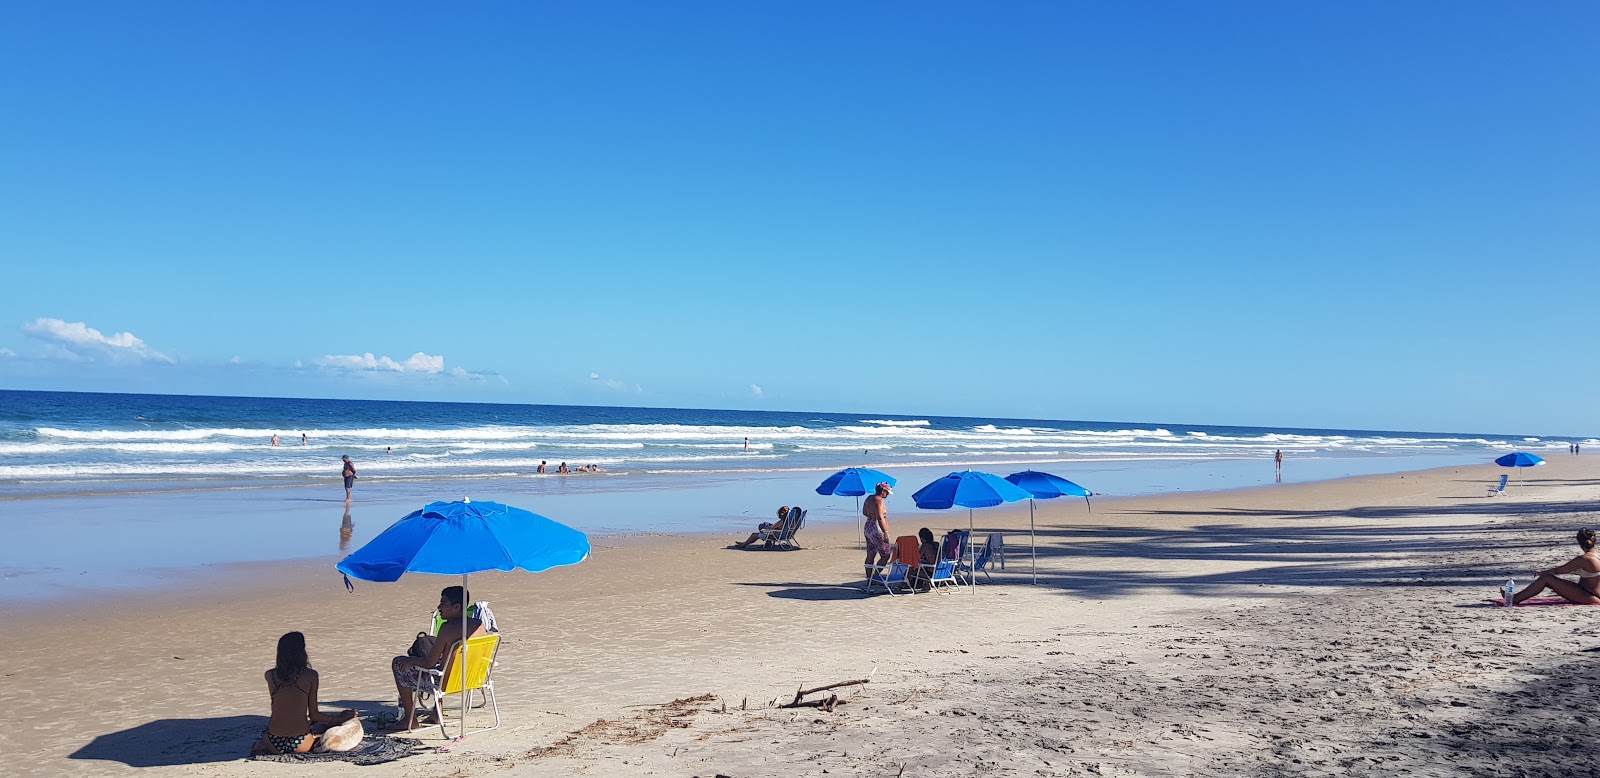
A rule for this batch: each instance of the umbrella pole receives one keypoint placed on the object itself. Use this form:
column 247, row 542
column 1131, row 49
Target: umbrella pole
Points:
column 972, row 561
column 861, row 526
column 462, row 671
column 1033, row 544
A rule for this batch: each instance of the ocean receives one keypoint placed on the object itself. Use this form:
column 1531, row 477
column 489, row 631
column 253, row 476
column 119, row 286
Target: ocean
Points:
column 66, row 442
column 153, row 491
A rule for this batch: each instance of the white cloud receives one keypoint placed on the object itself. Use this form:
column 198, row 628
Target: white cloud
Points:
column 5, row 352
column 609, row 383
column 80, row 340
column 416, row 363
column 236, row 360
column 298, row 364
column 755, row 390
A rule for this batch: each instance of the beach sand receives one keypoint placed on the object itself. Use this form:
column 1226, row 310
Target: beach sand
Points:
column 1335, row 628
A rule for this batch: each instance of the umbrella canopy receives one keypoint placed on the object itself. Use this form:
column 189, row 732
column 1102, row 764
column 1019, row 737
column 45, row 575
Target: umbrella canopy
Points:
column 1046, row 486
column 854, row 482
column 1519, row 459
column 457, row 538
column 968, row 489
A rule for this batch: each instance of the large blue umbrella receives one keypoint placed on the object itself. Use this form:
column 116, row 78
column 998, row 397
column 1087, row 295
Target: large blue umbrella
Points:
column 1045, row 486
column 855, row 482
column 968, row 489
column 458, row 538
column 1519, row 459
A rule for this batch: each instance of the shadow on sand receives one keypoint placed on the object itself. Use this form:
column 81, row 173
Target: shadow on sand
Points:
column 168, row 742
column 815, row 592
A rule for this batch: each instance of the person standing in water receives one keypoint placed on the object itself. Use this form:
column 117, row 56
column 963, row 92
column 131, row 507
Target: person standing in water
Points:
column 274, row 439
column 302, row 439
column 349, row 476
column 1277, row 466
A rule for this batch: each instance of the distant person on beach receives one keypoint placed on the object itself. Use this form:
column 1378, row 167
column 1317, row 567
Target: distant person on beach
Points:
column 746, row 444
column 274, row 440
column 767, row 527
column 562, row 469
column 876, row 529
column 303, row 439
column 292, row 687
column 1584, row 591
column 349, row 474
column 542, row 468
column 430, row 654
column 1277, row 465
column 388, row 449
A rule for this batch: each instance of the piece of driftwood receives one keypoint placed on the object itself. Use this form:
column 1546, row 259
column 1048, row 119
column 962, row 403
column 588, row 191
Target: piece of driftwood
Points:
column 828, row 704
column 802, row 692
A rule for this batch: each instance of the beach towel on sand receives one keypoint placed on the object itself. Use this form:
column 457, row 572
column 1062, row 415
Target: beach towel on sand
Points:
column 1501, row 601
column 373, row 750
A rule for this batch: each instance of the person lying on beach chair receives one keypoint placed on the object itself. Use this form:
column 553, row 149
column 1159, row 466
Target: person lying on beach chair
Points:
column 410, row 671
column 297, row 720
column 1584, row 591
column 767, row 529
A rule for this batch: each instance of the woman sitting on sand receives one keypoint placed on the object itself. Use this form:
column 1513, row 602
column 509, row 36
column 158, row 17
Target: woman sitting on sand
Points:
column 767, row 527
column 292, row 686
column 1584, row 591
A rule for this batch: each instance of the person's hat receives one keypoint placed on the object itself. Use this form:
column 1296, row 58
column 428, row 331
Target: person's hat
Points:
column 884, row 485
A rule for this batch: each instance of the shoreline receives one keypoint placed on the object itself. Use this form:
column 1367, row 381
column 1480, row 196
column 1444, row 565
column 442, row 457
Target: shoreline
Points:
column 191, row 537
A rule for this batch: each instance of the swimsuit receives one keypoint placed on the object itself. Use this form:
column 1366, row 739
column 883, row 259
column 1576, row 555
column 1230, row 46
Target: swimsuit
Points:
column 875, row 539
column 285, row 744
column 1595, row 574
column 410, row 676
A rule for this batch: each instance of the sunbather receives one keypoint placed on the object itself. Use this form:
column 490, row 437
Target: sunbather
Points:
column 767, row 528
column 1584, row 591
column 928, row 551
column 410, row 672
column 292, row 687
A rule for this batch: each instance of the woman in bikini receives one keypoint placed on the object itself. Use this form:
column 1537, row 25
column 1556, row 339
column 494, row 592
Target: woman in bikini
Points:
column 766, row 527
column 292, row 685
column 1584, row 591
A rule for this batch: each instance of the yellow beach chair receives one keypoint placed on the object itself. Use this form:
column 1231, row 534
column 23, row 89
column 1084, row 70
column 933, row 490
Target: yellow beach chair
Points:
column 479, row 676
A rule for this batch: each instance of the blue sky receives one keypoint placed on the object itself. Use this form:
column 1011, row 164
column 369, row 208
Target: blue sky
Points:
column 1368, row 215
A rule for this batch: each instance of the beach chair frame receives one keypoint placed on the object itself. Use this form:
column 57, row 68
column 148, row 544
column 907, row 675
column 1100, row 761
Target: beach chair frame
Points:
column 783, row 539
column 947, row 570
column 1500, row 488
column 442, row 683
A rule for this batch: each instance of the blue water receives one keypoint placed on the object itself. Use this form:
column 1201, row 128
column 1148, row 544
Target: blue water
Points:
column 145, row 490
column 55, row 442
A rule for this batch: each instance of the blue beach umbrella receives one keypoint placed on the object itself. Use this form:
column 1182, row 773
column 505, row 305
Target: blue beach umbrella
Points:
column 459, row 538
column 968, row 489
column 1045, row 486
column 1519, row 459
column 855, row 482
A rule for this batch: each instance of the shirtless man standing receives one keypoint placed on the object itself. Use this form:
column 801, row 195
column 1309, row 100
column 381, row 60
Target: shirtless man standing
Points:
column 876, row 529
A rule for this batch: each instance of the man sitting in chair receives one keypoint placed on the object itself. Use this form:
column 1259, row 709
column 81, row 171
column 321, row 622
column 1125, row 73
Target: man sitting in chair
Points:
column 767, row 529
column 410, row 672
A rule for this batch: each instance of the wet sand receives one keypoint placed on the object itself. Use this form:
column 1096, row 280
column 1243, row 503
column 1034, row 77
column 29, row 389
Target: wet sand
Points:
column 1332, row 628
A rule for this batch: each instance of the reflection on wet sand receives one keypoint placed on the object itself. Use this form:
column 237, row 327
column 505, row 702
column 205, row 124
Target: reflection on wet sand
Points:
column 346, row 529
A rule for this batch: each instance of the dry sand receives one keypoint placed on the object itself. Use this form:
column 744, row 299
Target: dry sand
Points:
column 1324, row 629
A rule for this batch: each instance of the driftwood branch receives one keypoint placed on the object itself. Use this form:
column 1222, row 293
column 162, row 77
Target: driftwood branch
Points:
column 828, row 704
column 799, row 695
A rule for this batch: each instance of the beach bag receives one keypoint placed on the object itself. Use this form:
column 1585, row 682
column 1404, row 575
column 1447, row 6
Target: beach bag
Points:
column 342, row 737
column 422, row 646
